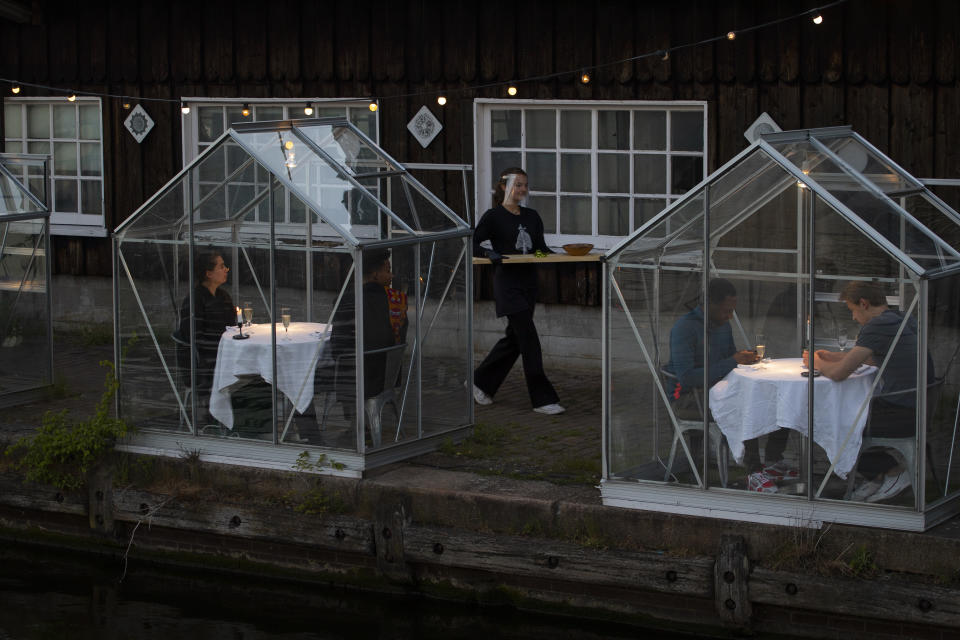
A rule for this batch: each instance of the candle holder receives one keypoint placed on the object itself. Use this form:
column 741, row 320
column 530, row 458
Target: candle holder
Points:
column 240, row 335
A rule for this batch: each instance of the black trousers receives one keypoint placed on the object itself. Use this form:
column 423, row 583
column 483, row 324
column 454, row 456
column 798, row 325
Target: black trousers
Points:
column 521, row 340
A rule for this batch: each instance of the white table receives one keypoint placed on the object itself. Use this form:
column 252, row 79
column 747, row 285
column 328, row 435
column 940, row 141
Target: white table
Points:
column 298, row 352
column 755, row 400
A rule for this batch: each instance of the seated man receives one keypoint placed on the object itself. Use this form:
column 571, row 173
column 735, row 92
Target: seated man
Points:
column 894, row 414
column 686, row 348
column 378, row 332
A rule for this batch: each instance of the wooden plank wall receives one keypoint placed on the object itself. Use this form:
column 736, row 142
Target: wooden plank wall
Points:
column 887, row 67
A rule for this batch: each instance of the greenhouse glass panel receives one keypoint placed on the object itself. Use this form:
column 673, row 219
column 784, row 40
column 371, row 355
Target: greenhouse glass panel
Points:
column 943, row 392
column 26, row 337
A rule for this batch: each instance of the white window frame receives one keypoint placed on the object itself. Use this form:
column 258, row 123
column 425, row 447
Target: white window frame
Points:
column 74, row 223
column 483, row 149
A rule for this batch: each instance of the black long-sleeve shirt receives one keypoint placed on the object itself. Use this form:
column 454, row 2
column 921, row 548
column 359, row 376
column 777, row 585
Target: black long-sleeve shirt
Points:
column 514, row 285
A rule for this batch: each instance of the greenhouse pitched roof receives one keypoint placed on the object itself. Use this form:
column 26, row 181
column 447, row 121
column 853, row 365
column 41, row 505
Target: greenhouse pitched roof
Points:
column 16, row 199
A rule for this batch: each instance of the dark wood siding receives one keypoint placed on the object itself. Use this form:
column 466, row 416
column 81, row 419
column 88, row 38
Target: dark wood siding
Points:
column 887, row 67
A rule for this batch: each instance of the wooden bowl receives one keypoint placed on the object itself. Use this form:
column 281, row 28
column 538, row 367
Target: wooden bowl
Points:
column 578, row 249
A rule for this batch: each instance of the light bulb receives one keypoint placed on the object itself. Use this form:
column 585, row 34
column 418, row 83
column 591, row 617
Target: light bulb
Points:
column 731, row 35
column 372, row 106
column 72, row 97
column 184, row 109
column 818, row 19
column 246, row 110
column 666, row 56
column 512, row 90
column 584, row 77
column 288, row 145
column 126, row 105
column 442, row 100
column 308, row 109
column 15, row 89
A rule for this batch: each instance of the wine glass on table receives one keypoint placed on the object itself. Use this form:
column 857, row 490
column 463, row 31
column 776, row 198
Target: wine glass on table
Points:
column 285, row 319
column 248, row 313
column 843, row 338
column 761, row 347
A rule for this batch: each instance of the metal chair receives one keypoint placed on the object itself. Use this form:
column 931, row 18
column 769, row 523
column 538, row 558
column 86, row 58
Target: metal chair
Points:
column 373, row 407
column 717, row 441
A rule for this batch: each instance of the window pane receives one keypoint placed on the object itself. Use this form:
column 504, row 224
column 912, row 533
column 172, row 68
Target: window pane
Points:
column 38, row 147
column 541, row 129
column 89, row 159
column 38, row 121
column 546, row 206
column 542, row 171
column 575, row 172
column 644, row 209
column 269, row 113
column 613, row 173
column 505, row 128
column 650, row 130
column 36, row 188
column 234, row 115
column 575, row 215
column 365, row 121
column 613, row 130
column 687, row 171
column 65, row 192
column 90, row 196
column 89, row 122
column 210, row 123
column 65, row 158
column 504, row 160
column 650, row 174
column 686, row 131
column 13, row 147
column 575, row 129
column 64, row 121
column 298, row 210
column 236, row 157
column 12, row 123
column 613, row 216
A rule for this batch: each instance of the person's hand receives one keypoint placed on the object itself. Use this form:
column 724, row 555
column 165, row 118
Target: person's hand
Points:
column 806, row 358
column 494, row 256
column 746, row 357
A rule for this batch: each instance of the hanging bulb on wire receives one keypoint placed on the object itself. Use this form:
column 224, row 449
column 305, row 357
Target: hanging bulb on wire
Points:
column 372, row 106
column 15, row 89
column 818, row 19
column 72, row 97
column 441, row 100
column 584, row 77
column 245, row 111
column 308, row 109
column 512, row 90
column 184, row 109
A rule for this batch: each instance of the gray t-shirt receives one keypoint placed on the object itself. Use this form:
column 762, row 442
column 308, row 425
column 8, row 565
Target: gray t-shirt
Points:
column 901, row 371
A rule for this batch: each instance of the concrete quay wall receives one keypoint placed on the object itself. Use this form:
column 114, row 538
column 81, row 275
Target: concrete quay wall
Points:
column 529, row 544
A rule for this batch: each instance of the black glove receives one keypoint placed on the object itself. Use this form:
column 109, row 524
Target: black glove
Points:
column 495, row 258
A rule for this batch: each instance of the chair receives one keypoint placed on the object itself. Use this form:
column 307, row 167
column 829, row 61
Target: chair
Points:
column 717, row 441
column 373, row 407
column 906, row 446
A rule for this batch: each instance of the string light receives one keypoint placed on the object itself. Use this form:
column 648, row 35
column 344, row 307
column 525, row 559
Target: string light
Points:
column 584, row 77
column 184, row 109
column 663, row 54
column 72, row 97
column 246, row 110
column 372, row 106
column 288, row 145
column 442, row 100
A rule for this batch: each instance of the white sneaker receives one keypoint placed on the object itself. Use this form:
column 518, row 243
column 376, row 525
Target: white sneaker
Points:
column 550, row 409
column 864, row 490
column 892, row 487
column 480, row 396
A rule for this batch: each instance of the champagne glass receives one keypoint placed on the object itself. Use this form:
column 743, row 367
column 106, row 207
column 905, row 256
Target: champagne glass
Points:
column 843, row 339
column 761, row 346
column 248, row 313
column 285, row 319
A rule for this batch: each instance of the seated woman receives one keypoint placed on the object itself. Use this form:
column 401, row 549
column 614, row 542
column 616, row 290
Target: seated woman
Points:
column 213, row 311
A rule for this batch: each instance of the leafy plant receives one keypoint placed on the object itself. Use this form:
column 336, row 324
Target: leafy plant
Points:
column 62, row 452
column 314, row 499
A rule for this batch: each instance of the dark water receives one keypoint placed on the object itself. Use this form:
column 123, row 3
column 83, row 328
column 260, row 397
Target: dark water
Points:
column 65, row 595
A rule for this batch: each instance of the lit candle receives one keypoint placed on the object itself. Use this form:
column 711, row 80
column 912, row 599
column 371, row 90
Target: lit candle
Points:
column 239, row 316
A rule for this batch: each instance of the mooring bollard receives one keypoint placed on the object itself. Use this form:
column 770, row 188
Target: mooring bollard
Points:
column 388, row 527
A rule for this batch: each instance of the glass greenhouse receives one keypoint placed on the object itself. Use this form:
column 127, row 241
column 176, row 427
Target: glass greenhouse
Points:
column 807, row 240
column 26, row 334
column 293, row 289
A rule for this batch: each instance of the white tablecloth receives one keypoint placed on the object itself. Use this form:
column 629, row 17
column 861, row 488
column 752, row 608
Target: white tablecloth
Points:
column 752, row 401
column 298, row 353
